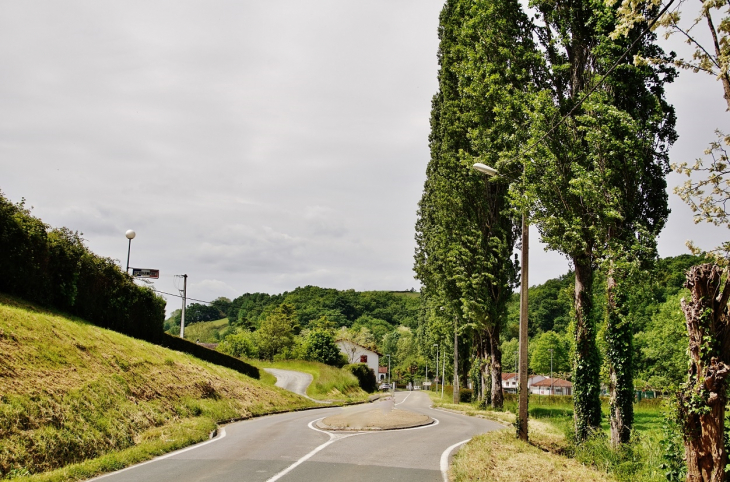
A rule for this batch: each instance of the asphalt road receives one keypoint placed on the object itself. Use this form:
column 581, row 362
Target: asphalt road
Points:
column 291, row 380
column 288, row 447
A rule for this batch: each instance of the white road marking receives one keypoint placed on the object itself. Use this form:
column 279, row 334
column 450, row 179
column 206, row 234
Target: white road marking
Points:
column 445, row 459
column 404, row 400
column 221, row 435
column 333, row 438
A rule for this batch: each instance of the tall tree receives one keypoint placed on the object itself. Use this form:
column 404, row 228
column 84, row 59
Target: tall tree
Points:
column 465, row 231
column 595, row 184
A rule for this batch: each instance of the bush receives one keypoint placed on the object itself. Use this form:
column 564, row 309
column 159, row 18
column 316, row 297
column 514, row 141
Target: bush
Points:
column 241, row 344
column 54, row 268
column 365, row 376
column 320, row 347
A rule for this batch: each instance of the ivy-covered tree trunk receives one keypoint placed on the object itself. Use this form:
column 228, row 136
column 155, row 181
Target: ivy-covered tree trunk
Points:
column 586, row 365
column 495, row 369
column 619, row 341
column 702, row 400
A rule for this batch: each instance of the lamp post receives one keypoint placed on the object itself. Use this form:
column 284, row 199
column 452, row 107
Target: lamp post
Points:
column 130, row 234
column 437, row 366
column 389, row 377
column 551, row 372
column 522, row 413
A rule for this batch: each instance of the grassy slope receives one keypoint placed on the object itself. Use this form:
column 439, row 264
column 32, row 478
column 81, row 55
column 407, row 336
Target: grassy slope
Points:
column 328, row 383
column 70, row 392
column 498, row 456
column 205, row 331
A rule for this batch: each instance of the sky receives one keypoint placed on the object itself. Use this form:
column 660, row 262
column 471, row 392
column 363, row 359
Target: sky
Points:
column 254, row 146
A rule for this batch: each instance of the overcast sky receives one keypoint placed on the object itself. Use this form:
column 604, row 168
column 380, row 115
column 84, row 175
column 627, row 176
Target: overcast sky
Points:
column 255, row 146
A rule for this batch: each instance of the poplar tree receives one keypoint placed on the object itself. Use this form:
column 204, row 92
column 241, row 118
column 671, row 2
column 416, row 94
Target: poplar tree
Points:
column 466, row 230
column 595, row 184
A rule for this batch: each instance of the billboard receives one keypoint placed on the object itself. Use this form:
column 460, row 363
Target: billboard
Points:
column 145, row 273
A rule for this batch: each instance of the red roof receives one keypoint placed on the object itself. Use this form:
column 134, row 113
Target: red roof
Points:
column 507, row 376
column 382, row 369
column 554, row 382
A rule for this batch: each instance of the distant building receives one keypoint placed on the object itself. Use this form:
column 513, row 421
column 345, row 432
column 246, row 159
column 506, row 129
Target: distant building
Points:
column 382, row 373
column 510, row 382
column 359, row 354
column 552, row 386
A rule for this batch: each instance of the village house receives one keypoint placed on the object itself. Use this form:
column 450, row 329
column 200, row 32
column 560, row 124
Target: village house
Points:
column 510, row 383
column 359, row 354
column 552, row 386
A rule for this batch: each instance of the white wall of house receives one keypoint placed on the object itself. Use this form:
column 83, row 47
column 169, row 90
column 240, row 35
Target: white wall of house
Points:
column 355, row 354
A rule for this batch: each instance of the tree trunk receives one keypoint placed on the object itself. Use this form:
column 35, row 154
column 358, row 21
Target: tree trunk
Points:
column 586, row 366
column 495, row 368
column 702, row 401
column 619, row 337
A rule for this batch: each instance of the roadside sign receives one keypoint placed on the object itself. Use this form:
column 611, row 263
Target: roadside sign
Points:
column 426, row 384
column 145, row 273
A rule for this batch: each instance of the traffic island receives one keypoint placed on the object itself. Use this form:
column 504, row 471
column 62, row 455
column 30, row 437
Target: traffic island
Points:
column 374, row 419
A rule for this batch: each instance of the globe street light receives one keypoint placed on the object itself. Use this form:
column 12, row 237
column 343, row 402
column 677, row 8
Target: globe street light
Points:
column 130, row 234
column 522, row 429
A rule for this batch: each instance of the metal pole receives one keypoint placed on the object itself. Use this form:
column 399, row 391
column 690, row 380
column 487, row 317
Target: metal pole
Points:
column 129, row 250
column 456, row 361
column 523, row 330
column 437, row 368
column 443, row 375
column 551, row 372
column 184, row 299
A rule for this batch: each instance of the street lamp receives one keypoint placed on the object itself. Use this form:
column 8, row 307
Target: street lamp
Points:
column 522, row 430
column 389, row 377
column 551, row 372
column 437, row 366
column 130, row 234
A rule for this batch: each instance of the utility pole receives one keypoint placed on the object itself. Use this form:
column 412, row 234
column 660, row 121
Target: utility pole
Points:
column 443, row 375
column 551, row 372
column 437, row 366
column 522, row 429
column 456, row 361
column 184, row 299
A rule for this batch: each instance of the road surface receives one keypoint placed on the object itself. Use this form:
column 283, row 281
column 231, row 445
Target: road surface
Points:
column 291, row 380
column 288, row 447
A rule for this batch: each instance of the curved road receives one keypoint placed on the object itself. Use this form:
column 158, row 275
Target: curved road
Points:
column 291, row 380
column 288, row 447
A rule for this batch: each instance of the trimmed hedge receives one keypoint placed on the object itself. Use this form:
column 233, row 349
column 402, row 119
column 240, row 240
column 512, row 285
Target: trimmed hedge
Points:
column 365, row 376
column 53, row 267
column 206, row 354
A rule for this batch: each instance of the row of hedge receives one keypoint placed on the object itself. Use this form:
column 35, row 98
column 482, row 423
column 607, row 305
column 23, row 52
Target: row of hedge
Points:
column 211, row 356
column 53, row 267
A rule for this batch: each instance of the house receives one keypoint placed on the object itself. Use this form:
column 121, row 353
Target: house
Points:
column 552, row 386
column 359, row 354
column 382, row 374
column 510, row 383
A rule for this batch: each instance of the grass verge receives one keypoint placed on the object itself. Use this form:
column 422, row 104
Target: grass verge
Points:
column 78, row 400
column 551, row 440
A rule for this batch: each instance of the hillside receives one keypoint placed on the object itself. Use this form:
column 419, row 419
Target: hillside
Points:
column 70, row 391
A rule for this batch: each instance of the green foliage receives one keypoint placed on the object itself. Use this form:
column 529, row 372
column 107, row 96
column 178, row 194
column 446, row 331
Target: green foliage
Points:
column 365, row 376
column 54, row 268
column 540, row 347
column 320, row 346
column 277, row 331
column 196, row 312
column 241, row 344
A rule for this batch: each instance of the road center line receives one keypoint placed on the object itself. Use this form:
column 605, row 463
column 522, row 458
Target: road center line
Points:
column 333, row 438
column 445, row 459
column 404, row 400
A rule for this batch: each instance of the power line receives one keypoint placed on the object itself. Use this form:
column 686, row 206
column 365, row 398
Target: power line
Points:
column 180, row 296
column 600, row 82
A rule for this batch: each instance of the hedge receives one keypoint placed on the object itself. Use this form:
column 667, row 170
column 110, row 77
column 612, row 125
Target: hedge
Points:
column 53, row 268
column 206, row 354
column 365, row 376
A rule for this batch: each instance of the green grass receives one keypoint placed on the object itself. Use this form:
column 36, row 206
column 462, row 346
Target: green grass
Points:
column 77, row 400
column 206, row 331
column 551, row 430
column 328, row 383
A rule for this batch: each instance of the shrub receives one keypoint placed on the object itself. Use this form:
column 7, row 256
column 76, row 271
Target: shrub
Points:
column 54, row 268
column 320, row 347
column 365, row 376
column 241, row 344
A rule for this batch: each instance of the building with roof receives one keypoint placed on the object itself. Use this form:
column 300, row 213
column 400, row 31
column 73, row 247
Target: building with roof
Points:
column 510, row 381
column 552, row 386
column 359, row 354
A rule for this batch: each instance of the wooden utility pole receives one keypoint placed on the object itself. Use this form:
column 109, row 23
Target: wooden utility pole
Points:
column 456, row 361
column 522, row 412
